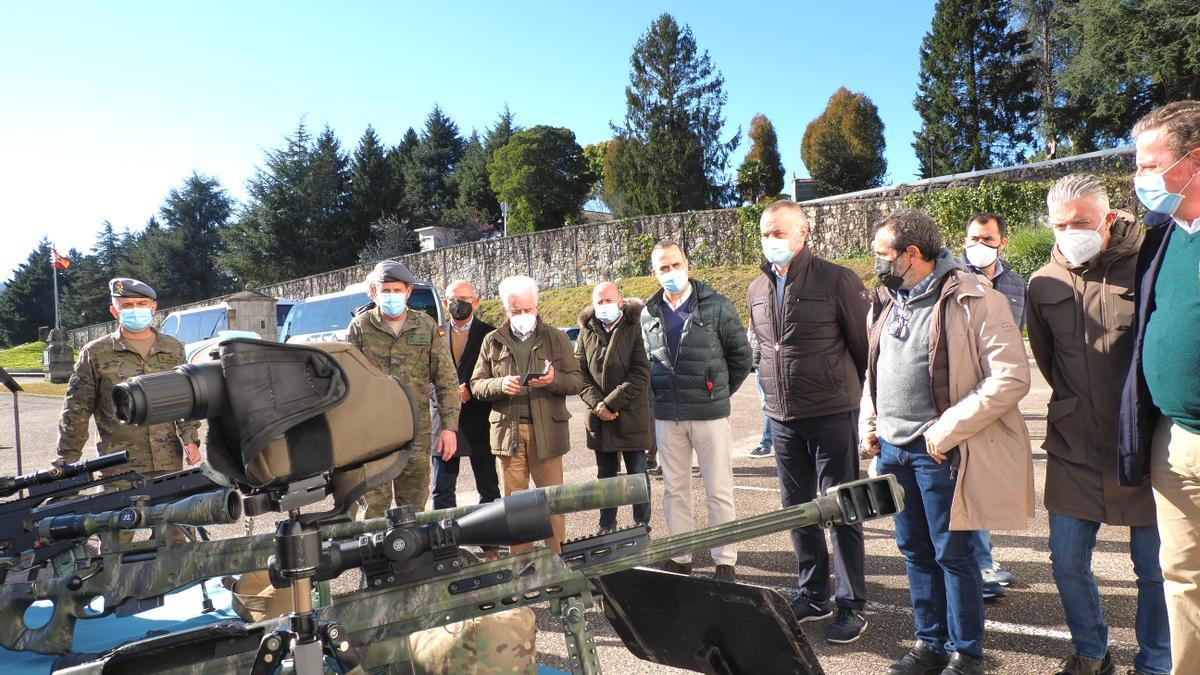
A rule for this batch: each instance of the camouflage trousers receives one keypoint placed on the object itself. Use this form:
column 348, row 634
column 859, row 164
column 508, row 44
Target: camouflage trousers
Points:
column 410, row 487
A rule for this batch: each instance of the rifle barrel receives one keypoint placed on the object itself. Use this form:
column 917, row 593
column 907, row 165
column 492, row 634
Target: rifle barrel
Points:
column 590, row 495
column 10, row 485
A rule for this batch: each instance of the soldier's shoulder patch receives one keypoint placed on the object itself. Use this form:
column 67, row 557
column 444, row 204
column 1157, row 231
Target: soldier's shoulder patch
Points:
column 420, row 340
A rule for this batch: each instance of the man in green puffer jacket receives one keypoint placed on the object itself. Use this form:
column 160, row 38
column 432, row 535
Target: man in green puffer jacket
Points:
column 699, row 356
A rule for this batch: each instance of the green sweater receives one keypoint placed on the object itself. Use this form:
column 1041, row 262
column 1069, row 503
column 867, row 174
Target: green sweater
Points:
column 1171, row 353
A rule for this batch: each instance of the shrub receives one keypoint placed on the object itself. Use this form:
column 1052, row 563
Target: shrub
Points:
column 1029, row 249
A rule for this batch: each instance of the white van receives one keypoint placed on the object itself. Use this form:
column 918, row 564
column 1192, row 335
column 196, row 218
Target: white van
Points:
column 324, row 318
column 200, row 327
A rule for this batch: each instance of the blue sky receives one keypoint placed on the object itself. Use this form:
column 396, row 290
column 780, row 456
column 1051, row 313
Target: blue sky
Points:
column 106, row 106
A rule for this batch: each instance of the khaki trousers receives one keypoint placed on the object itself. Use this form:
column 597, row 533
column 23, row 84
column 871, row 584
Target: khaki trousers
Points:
column 1175, row 475
column 710, row 439
column 516, row 470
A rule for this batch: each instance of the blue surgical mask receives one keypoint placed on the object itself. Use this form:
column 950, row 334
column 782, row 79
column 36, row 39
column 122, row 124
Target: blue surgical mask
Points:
column 777, row 251
column 608, row 312
column 136, row 318
column 674, row 282
column 1151, row 190
column 392, row 304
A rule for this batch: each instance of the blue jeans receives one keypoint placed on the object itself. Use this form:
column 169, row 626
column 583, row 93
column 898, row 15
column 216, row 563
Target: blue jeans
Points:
column 1071, row 544
column 983, row 550
column 943, row 576
column 766, row 441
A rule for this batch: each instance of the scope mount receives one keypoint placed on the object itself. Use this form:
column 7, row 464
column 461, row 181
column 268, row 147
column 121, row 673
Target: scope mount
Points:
column 289, row 497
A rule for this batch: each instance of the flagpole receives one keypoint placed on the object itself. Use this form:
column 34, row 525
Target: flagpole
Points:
column 54, row 271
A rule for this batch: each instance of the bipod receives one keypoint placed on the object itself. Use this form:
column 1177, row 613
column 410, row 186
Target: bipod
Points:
column 311, row 644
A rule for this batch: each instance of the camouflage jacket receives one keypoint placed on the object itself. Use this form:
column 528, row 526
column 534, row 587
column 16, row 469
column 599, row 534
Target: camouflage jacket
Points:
column 104, row 363
column 418, row 356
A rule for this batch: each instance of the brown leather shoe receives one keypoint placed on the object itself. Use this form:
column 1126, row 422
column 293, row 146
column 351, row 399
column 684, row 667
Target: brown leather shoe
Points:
column 725, row 573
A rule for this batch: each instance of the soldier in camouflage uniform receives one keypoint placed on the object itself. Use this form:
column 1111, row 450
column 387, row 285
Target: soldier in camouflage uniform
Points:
column 409, row 346
column 135, row 348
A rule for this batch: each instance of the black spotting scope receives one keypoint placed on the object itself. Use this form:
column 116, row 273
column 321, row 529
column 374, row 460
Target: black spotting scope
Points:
column 187, row 392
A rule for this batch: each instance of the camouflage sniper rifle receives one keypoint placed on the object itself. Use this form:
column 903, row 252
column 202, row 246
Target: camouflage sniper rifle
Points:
column 55, row 492
column 370, row 628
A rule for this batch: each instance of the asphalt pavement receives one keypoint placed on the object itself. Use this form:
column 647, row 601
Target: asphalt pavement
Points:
column 1026, row 632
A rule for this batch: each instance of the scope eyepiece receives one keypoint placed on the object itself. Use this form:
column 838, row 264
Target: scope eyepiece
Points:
column 187, row 392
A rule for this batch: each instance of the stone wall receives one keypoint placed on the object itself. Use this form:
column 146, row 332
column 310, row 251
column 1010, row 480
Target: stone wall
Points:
column 585, row 254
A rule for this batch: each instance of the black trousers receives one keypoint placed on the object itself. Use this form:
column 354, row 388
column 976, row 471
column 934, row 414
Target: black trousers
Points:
column 607, row 465
column 445, row 479
column 818, row 453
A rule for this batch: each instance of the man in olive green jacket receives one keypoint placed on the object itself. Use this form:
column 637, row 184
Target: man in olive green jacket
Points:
column 529, row 418
column 409, row 346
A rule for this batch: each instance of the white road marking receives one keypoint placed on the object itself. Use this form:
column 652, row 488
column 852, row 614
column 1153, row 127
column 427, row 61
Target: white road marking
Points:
column 755, row 489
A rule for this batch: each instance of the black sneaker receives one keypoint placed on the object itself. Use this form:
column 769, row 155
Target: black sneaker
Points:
column 1077, row 665
column 761, row 452
column 961, row 664
column 677, row 568
column 920, row 660
column 806, row 610
column 655, row 471
column 847, row 627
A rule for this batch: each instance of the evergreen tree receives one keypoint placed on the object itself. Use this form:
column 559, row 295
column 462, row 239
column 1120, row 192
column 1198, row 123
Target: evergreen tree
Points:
column 190, row 244
column 675, row 159
column 298, row 220
column 976, row 94
column 500, row 133
column 372, row 186
column 1127, row 59
column 398, row 159
column 843, row 147
column 429, row 187
column 543, row 176
column 113, row 250
column 476, row 201
column 761, row 173
column 28, row 299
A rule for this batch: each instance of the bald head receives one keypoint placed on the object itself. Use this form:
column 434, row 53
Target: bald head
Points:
column 605, row 290
column 460, row 300
column 785, row 223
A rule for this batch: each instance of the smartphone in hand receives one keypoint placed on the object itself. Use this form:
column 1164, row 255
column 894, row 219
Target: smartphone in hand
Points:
column 534, row 376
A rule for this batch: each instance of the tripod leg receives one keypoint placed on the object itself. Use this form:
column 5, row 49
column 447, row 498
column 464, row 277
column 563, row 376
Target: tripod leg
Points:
column 581, row 648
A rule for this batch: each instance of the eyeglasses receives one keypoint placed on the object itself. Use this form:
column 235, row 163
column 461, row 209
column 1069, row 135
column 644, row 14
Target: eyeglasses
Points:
column 898, row 325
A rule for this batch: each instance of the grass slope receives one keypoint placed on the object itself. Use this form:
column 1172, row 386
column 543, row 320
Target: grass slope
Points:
column 561, row 307
column 23, row 357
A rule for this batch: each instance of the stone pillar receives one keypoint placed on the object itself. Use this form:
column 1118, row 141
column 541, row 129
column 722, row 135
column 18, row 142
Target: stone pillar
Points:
column 57, row 358
column 253, row 311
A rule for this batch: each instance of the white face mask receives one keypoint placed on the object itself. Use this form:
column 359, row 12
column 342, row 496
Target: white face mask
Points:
column 1078, row 246
column 981, row 255
column 608, row 312
column 522, row 324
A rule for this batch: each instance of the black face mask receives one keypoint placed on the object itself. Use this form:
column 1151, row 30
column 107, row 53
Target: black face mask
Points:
column 460, row 309
column 889, row 279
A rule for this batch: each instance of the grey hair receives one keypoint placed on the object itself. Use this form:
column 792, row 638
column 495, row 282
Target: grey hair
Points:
column 518, row 284
column 1077, row 186
column 455, row 284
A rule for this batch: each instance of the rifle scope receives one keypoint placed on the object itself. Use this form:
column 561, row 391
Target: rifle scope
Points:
column 10, row 485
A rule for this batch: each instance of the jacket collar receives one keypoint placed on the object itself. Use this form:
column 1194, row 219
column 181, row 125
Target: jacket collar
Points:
column 377, row 321
column 700, row 291
column 630, row 316
column 117, row 342
column 505, row 336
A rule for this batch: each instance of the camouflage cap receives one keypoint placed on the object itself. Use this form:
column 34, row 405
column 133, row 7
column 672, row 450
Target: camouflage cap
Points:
column 390, row 270
column 122, row 287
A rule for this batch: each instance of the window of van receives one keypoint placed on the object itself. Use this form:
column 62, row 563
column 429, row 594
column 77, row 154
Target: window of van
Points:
column 320, row 316
column 196, row 326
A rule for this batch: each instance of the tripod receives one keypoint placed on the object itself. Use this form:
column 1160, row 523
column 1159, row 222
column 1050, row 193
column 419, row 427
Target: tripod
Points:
column 311, row 643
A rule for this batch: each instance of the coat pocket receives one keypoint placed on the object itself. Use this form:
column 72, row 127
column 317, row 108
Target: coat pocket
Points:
column 1066, row 431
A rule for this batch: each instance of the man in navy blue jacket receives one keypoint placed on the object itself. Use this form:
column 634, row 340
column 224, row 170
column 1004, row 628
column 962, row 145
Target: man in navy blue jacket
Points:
column 1160, row 406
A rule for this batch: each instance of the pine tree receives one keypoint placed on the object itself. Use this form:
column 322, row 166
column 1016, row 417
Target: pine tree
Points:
column 113, row 250
column 543, row 176
column 194, row 215
column 500, row 133
column 299, row 219
column 429, row 188
column 843, row 147
column 476, row 204
column 761, row 173
column 372, row 185
column 398, row 159
column 671, row 157
column 1127, row 58
column 27, row 302
column 976, row 94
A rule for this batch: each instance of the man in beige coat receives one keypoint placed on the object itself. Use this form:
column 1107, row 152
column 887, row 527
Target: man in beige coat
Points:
column 946, row 371
column 1080, row 312
column 529, row 414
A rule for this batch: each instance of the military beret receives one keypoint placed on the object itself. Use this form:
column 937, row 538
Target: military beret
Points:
column 390, row 270
column 130, row 288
